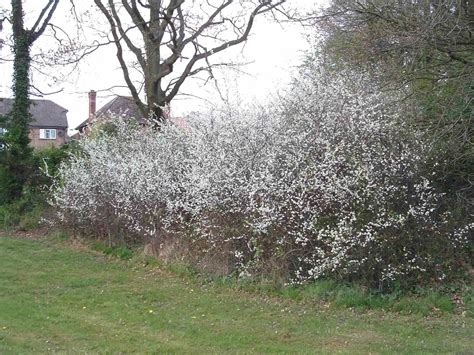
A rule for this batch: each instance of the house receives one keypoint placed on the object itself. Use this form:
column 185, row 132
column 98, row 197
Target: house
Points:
column 48, row 126
column 120, row 105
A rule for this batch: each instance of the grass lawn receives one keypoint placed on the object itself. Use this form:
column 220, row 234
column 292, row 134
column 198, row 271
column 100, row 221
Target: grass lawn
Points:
column 54, row 298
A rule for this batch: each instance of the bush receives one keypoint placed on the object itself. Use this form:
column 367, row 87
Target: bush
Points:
column 120, row 252
column 333, row 184
column 47, row 162
column 26, row 212
column 23, row 214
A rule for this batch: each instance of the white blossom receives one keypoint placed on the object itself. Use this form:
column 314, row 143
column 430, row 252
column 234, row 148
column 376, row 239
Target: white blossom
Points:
column 331, row 184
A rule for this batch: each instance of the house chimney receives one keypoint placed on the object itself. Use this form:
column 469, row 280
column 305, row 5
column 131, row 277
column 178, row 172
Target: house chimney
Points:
column 92, row 103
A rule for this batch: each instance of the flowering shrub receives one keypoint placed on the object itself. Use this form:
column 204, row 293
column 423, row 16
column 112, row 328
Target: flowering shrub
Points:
column 332, row 184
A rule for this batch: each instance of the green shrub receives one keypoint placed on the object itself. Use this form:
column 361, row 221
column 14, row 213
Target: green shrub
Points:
column 24, row 213
column 47, row 162
column 120, row 252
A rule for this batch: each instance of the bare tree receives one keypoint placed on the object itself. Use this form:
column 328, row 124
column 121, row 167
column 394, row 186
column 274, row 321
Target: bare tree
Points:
column 175, row 40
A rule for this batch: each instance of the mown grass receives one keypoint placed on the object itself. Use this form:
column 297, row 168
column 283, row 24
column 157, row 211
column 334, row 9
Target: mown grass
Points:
column 54, row 298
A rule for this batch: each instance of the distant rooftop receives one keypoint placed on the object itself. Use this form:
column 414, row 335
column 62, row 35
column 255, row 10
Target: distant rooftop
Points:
column 120, row 105
column 45, row 113
column 125, row 106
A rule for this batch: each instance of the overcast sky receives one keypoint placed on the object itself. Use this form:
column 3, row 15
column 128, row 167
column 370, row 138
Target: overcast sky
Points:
column 274, row 51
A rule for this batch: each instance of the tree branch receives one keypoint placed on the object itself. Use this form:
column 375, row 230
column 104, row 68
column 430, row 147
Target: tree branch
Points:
column 120, row 57
column 38, row 28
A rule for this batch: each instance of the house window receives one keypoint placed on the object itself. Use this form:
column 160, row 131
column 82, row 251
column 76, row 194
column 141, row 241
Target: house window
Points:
column 47, row 133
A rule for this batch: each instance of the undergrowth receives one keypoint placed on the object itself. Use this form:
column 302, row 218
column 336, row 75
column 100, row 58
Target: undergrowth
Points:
column 23, row 214
column 451, row 299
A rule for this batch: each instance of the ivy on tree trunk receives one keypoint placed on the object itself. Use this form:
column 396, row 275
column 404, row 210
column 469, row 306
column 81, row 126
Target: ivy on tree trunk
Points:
column 16, row 153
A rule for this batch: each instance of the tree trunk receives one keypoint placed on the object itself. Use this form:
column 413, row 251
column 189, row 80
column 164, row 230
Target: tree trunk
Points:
column 19, row 152
column 20, row 116
column 154, row 92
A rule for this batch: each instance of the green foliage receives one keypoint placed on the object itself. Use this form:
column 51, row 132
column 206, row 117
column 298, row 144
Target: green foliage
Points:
column 120, row 252
column 449, row 118
column 25, row 212
column 335, row 294
column 47, row 162
column 422, row 301
column 432, row 302
column 425, row 49
column 107, row 128
column 16, row 154
column 16, row 164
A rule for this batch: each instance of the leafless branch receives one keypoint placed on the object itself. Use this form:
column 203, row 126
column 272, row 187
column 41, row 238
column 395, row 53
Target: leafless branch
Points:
column 43, row 19
column 40, row 93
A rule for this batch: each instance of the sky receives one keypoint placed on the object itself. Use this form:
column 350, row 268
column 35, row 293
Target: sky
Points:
column 272, row 52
